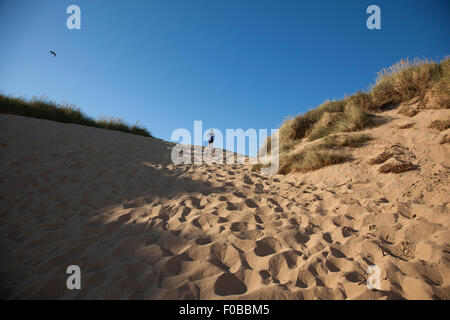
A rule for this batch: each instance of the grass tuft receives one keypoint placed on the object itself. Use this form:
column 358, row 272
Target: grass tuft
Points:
column 381, row 158
column 301, row 125
column 347, row 141
column 68, row 113
column 405, row 80
column 328, row 152
column 311, row 158
column 353, row 118
column 396, row 167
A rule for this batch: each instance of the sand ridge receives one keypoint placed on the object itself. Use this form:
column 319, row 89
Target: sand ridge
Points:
column 140, row 227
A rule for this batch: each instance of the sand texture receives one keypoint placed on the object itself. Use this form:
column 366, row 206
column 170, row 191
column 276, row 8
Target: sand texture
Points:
column 141, row 228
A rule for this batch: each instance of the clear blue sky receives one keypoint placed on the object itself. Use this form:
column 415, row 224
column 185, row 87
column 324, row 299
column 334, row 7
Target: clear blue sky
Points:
column 232, row 64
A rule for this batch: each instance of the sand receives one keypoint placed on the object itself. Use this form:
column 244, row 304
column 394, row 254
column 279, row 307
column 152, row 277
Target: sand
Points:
column 141, row 228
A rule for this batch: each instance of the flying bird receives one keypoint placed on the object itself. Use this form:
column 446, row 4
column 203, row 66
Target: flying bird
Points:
column 53, row 53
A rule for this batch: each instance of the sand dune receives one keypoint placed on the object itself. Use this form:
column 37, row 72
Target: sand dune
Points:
column 141, row 228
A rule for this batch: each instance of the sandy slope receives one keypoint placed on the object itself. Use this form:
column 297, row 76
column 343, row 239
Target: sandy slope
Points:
column 139, row 227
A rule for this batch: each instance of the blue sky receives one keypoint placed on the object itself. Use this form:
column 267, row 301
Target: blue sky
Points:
column 232, row 64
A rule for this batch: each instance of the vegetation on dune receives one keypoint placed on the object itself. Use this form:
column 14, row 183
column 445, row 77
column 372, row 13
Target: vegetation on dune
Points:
column 311, row 159
column 67, row 113
column 381, row 158
column 406, row 80
column 440, row 125
column 257, row 167
column 421, row 80
column 396, row 167
column 352, row 118
column 441, row 87
column 346, row 141
column 331, row 150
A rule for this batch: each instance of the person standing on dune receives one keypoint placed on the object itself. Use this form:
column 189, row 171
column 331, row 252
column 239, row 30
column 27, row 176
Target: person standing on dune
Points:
column 211, row 136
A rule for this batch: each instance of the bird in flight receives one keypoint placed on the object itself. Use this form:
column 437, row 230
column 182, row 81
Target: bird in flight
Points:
column 53, row 53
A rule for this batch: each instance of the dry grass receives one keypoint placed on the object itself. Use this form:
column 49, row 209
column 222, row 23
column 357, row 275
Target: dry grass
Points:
column 396, row 167
column 45, row 109
column 365, row 101
column 311, row 158
column 440, row 125
column 440, row 94
column 325, row 125
column 319, row 158
column 441, row 89
column 381, row 158
column 301, row 125
column 352, row 118
column 405, row 80
column 346, row 141
column 328, row 152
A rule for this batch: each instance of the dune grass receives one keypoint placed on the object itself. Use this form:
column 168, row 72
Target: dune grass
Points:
column 346, row 141
column 331, row 150
column 327, row 152
column 405, row 80
column 45, row 109
column 311, row 158
column 352, row 118
column 441, row 87
column 399, row 83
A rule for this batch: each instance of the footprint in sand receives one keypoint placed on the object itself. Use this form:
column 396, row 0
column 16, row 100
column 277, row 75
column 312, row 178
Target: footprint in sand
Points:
column 205, row 221
column 265, row 276
column 247, row 180
column 267, row 246
column 337, row 253
column 327, row 237
column 203, row 241
column 239, row 226
column 301, row 237
column 331, row 266
column 250, row 234
column 228, row 284
column 250, row 203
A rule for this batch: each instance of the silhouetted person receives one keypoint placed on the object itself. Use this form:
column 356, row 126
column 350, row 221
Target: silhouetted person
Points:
column 211, row 138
